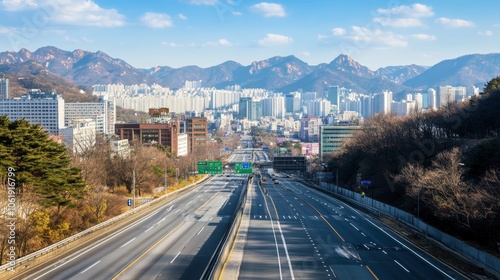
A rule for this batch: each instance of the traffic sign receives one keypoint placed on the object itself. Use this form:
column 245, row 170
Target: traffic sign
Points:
column 243, row 168
column 209, row 167
column 366, row 183
column 129, row 202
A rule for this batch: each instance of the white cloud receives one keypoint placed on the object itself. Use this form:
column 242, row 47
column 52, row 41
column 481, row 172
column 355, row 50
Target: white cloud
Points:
column 220, row 42
column 7, row 30
column 449, row 22
column 398, row 22
column 155, row 20
column 403, row 16
column 424, row 37
column 376, row 37
column 338, row 31
column 486, row 33
column 414, row 11
column 17, row 5
column 269, row 9
column 80, row 12
column 224, row 42
column 182, row 16
column 203, row 2
column 306, row 54
column 275, row 40
column 171, row 44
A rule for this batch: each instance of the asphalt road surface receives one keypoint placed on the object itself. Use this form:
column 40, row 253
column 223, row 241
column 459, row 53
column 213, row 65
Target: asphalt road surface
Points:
column 299, row 233
column 175, row 241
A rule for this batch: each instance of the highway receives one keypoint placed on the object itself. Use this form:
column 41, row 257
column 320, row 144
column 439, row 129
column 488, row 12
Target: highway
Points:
column 175, row 241
column 296, row 232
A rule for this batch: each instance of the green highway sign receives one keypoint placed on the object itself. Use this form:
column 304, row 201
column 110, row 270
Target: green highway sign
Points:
column 243, row 168
column 209, row 167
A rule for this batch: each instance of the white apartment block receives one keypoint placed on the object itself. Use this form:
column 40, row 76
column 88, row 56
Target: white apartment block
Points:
column 80, row 136
column 449, row 94
column 103, row 113
column 182, row 144
column 119, row 148
column 46, row 109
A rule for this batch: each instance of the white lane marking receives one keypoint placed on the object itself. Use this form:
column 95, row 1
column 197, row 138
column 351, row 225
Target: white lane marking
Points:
column 409, row 249
column 177, row 210
column 160, row 221
column 402, row 266
column 170, row 208
column 175, row 257
column 90, row 266
column 354, row 226
column 127, row 242
column 200, row 230
column 189, row 203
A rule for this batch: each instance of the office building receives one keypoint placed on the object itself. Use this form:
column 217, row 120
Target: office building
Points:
column 292, row 102
column 102, row 112
column 309, row 129
column 4, row 88
column 333, row 95
column 46, row 109
column 333, row 137
column 197, row 134
column 150, row 134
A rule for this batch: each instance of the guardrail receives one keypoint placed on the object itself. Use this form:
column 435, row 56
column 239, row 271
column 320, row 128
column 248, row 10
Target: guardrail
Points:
column 90, row 230
column 221, row 254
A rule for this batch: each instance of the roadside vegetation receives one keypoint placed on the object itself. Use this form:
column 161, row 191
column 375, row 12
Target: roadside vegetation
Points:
column 443, row 166
column 58, row 194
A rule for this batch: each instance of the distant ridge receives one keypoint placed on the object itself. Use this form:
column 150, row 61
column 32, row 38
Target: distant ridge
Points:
column 277, row 73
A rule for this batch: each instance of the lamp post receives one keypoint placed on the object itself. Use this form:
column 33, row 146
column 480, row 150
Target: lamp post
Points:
column 165, row 187
column 133, row 187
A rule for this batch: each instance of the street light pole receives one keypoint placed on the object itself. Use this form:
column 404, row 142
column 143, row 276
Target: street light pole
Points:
column 133, row 187
column 165, row 187
column 418, row 204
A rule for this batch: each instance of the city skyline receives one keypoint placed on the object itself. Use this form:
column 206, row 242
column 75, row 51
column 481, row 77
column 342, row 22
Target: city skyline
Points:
column 210, row 32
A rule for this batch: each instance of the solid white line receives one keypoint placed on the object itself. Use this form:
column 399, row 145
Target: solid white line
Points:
column 149, row 229
column 170, row 208
column 401, row 266
column 175, row 257
column 90, row 266
column 127, row 242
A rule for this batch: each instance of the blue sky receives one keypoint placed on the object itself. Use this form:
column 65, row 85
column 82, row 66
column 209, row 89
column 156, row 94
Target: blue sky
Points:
column 178, row 33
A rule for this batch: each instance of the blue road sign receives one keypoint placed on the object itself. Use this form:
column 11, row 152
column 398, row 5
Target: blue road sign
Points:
column 245, row 165
column 129, row 202
column 366, row 183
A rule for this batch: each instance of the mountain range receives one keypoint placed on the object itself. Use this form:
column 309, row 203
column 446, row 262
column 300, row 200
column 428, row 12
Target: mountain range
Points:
column 283, row 74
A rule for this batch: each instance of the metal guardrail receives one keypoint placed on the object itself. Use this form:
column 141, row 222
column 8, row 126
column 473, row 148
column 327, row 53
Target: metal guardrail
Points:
column 220, row 255
column 90, row 230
